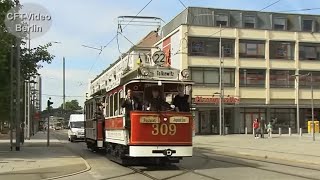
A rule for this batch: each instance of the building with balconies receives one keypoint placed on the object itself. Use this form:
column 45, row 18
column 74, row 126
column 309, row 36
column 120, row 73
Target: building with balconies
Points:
column 262, row 53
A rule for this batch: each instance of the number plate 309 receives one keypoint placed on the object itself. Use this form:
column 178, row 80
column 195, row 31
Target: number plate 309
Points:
column 164, row 129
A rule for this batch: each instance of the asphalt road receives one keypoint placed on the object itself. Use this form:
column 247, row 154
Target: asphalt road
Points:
column 204, row 165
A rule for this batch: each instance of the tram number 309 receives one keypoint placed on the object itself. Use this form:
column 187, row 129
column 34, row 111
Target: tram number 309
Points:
column 164, row 129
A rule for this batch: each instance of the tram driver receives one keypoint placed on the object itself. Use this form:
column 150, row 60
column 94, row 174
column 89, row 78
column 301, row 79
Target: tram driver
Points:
column 130, row 103
column 180, row 101
column 156, row 103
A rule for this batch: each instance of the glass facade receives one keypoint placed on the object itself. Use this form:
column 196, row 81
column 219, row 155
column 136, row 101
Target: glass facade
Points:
column 252, row 77
column 210, row 47
column 210, row 76
column 281, row 50
column 282, row 78
column 309, row 51
column 252, row 49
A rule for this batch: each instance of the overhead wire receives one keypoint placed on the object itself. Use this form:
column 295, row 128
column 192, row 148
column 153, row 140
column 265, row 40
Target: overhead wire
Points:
column 127, row 24
column 227, row 27
column 117, row 35
column 295, row 10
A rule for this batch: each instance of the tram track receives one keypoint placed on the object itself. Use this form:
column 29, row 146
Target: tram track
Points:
column 222, row 158
column 208, row 158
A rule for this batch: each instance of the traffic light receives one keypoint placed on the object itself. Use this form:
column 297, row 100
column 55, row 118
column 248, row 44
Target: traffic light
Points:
column 49, row 103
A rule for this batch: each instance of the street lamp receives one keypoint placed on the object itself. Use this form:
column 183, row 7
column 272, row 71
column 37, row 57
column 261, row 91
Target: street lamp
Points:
column 312, row 104
column 312, row 108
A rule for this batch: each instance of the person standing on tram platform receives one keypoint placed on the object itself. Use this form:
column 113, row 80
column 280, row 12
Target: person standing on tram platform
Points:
column 180, row 101
column 130, row 103
column 156, row 103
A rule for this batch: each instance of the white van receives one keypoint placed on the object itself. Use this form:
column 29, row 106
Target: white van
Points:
column 76, row 127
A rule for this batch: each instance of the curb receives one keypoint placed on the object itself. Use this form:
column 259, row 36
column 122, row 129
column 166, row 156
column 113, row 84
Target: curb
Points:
column 88, row 168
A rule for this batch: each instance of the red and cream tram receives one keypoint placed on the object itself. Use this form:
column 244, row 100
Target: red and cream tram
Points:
column 164, row 136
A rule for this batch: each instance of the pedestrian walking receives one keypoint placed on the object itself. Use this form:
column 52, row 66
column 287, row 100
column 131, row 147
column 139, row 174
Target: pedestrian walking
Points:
column 255, row 128
column 269, row 130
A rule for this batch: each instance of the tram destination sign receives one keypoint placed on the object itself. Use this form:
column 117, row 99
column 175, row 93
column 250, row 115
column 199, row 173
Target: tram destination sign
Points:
column 214, row 100
column 164, row 73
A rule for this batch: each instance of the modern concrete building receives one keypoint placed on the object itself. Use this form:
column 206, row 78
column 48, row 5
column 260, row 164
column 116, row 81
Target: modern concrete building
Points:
column 262, row 53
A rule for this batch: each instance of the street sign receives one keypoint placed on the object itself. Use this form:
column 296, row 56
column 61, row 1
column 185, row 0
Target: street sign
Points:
column 159, row 58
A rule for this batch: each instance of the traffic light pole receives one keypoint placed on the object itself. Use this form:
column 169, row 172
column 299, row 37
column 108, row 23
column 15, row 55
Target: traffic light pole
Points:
column 48, row 129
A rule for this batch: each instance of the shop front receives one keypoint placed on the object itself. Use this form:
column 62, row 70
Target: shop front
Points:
column 207, row 114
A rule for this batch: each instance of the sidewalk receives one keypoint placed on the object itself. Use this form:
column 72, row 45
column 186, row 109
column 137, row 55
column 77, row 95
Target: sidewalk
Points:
column 284, row 147
column 37, row 161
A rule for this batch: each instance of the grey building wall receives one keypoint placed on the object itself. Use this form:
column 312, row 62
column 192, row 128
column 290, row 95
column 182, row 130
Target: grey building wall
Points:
column 196, row 16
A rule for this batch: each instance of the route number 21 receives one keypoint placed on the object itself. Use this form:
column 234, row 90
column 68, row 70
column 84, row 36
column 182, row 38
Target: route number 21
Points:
column 164, row 129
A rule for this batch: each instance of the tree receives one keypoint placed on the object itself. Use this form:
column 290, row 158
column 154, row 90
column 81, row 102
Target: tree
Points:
column 30, row 60
column 72, row 105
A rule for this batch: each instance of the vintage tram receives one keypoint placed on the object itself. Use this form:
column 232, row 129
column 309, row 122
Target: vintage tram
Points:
column 161, row 136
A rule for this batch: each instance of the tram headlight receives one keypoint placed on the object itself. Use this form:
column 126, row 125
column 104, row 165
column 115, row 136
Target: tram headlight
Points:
column 185, row 73
column 144, row 71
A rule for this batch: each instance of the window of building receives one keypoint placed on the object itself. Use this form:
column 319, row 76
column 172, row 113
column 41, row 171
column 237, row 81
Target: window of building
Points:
column 279, row 23
column 197, row 75
column 249, row 21
column 305, row 81
column 222, row 19
column 281, row 50
column 282, row 78
column 307, row 25
column 252, row 49
column 229, row 76
column 309, row 51
column 283, row 118
column 210, row 47
column 252, row 77
column 197, row 47
column 210, row 76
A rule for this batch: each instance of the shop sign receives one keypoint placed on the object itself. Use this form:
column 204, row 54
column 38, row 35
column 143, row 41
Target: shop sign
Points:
column 215, row 100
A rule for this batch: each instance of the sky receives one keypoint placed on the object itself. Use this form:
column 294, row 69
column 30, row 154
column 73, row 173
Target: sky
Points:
column 94, row 23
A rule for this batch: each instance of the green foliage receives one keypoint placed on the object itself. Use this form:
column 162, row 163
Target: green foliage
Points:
column 30, row 60
column 72, row 105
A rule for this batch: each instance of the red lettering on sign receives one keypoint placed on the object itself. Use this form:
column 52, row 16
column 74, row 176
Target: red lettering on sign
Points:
column 214, row 100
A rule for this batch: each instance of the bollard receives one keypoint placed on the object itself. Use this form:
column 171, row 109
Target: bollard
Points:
column 300, row 131
column 289, row 131
column 246, row 130
column 226, row 130
column 279, row 131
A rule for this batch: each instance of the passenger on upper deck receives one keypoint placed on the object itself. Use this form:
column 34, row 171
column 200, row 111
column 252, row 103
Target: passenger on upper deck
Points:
column 130, row 103
column 156, row 103
column 180, row 101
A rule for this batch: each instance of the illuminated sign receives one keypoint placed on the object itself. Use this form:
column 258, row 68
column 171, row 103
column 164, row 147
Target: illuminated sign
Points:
column 214, row 100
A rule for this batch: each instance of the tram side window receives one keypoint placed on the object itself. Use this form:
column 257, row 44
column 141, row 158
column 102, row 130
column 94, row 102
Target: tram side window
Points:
column 120, row 109
column 91, row 110
column 111, row 105
column 116, row 104
column 106, row 108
